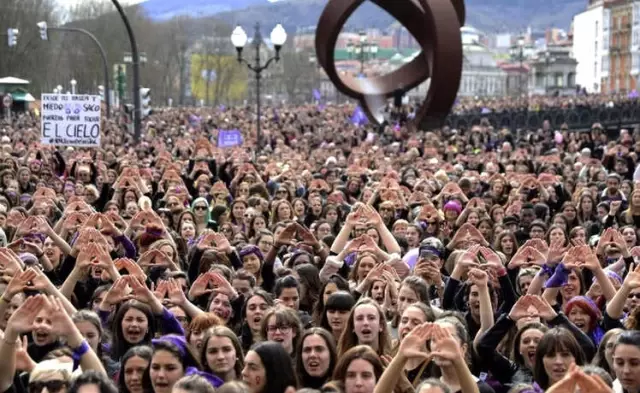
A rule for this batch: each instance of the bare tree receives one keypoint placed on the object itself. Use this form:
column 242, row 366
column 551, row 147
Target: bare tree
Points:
column 298, row 73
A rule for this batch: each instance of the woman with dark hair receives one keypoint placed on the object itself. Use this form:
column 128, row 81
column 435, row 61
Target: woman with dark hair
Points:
column 132, row 366
column 171, row 360
column 335, row 317
column 268, row 369
column 604, row 355
column 133, row 324
column 90, row 326
column 282, row 325
column 556, row 351
column 317, row 356
column 335, row 283
column 359, row 369
column 254, row 262
column 310, row 285
column 221, row 354
column 99, row 382
column 626, row 358
column 252, row 314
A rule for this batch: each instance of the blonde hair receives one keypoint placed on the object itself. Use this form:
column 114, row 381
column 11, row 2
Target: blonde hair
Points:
column 50, row 368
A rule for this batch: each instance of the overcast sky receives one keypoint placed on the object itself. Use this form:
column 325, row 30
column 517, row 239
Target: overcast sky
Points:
column 74, row 2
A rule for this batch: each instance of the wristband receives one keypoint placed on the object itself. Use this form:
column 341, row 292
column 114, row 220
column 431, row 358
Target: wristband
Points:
column 79, row 352
column 559, row 277
column 501, row 272
column 548, row 270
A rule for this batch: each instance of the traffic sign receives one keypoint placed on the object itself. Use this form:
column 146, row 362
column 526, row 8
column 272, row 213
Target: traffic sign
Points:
column 7, row 100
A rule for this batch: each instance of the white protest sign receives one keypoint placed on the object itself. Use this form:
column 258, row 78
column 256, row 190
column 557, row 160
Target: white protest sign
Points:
column 70, row 120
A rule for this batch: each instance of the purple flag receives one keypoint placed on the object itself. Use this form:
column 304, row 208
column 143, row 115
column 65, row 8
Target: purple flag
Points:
column 317, row 95
column 229, row 138
column 359, row 118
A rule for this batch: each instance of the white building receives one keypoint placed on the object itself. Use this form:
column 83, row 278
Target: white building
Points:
column 481, row 75
column 591, row 46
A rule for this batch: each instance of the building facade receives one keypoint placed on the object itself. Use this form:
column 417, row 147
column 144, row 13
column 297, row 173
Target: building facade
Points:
column 553, row 71
column 481, row 75
column 607, row 46
column 590, row 46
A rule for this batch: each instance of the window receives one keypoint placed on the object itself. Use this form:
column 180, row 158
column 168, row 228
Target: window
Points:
column 605, row 64
column 595, row 69
column 635, row 38
column 636, row 14
column 606, row 20
column 597, row 28
column 605, row 42
column 559, row 79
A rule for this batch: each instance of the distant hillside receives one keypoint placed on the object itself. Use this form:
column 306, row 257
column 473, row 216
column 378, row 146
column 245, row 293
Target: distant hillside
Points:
column 487, row 15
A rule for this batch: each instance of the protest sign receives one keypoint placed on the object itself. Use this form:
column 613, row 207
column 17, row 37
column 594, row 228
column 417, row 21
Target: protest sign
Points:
column 229, row 138
column 70, row 120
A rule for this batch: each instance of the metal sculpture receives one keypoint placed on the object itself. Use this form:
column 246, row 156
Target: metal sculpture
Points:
column 435, row 24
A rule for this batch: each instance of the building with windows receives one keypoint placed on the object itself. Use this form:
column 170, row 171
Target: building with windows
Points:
column 553, row 71
column 606, row 44
column 481, row 75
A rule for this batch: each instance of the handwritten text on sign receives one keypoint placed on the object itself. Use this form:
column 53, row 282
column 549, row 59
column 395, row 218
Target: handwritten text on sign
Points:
column 70, row 120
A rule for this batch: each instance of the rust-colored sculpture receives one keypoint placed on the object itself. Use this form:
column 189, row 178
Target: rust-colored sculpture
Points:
column 435, row 24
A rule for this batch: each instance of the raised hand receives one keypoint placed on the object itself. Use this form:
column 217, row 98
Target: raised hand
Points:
column 18, row 283
column 200, row 286
column 306, row 236
column 22, row 320
column 175, row 293
column 61, row 322
column 161, row 290
column 444, row 346
column 286, row 237
column 10, row 262
column 23, row 360
column 522, row 309
column 491, row 257
column 130, row 267
column 221, row 243
column 478, row 277
column 221, row 284
column 545, row 310
column 119, row 292
column 632, row 281
column 414, row 344
column 556, row 251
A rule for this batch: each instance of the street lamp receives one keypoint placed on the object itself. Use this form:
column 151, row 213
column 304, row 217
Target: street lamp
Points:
column 73, row 86
column 239, row 40
column 363, row 50
column 521, row 58
column 59, row 89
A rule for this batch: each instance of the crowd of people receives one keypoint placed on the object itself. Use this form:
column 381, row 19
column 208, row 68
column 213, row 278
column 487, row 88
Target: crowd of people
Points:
column 325, row 257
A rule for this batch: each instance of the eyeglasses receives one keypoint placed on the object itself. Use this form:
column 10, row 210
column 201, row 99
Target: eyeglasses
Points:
column 281, row 328
column 200, row 208
column 52, row 386
column 227, row 230
column 248, row 216
column 634, row 295
column 172, row 204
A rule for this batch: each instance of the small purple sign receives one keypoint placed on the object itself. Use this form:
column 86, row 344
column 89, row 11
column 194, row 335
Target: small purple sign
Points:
column 229, row 138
